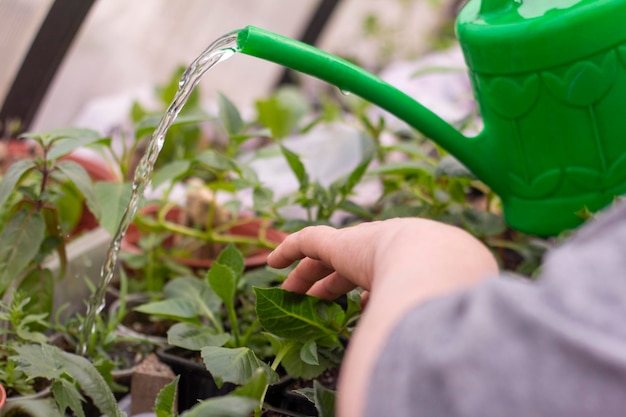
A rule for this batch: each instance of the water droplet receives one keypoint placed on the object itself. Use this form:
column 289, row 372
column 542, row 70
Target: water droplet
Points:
column 345, row 92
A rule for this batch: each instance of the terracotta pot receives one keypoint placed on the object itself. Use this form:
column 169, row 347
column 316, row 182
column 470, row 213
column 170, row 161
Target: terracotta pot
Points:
column 3, row 396
column 246, row 228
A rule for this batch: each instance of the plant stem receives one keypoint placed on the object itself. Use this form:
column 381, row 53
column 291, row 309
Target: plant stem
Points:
column 234, row 324
column 211, row 236
column 246, row 336
column 280, row 355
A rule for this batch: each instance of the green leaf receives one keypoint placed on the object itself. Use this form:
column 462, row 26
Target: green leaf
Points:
column 262, row 198
column 354, row 305
column 292, row 360
column 193, row 337
column 13, row 176
column 323, row 398
column 83, row 182
column 165, row 404
column 255, row 387
column 232, row 257
column 69, row 204
column 50, row 362
column 347, row 184
column 483, row 223
column 40, row 281
column 353, row 208
column 239, row 403
column 45, row 407
column 137, row 112
column 37, row 361
column 297, row 316
column 112, row 198
column 194, row 289
column 229, row 115
column 171, row 171
column 308, row 353
column 402, row 168
column 308, row 393
column 65, row 140
column 224, row 283
column 227, row 406
column 263, row 277
column 212, row 159
column 234, row 365
column 277, row 118
column 25, row 232
column 451, row 167
column 182, row 309
column 67, row 396
column 297, row 167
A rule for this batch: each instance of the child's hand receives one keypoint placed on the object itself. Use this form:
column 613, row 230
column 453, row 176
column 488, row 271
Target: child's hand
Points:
column 401, row 262
column 335, row 261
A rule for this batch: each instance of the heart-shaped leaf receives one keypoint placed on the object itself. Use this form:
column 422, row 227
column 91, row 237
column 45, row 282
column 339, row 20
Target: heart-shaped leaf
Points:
column 234, row 365
column 193, row 337
column 232, row 257
column 196, row 289
column 297, row 316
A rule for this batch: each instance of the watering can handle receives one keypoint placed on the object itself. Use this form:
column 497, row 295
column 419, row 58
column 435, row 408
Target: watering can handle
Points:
column 348, row 77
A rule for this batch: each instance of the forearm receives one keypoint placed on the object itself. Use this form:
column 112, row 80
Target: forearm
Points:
column 402, row 280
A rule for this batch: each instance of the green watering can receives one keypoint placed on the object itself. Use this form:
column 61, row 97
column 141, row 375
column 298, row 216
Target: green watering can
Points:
column 550, row 80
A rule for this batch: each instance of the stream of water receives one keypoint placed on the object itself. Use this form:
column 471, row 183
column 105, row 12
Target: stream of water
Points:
column 218, row 51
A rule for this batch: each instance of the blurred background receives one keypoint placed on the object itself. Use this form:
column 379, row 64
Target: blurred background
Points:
column 100, row 55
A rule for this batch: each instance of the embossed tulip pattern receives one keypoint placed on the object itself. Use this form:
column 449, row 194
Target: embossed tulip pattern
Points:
column 583, row 85
column 509, row 97
column 512, row 98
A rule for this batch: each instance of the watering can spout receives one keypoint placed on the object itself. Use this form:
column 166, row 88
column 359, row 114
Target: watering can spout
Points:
column 350, row 78
column 551, row 98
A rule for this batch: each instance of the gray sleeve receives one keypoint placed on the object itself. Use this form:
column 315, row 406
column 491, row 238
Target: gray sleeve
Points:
column 510, row 347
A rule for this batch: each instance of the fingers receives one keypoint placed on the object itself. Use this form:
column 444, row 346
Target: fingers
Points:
column 311, row 242
column 305, row 275
column 331, row 287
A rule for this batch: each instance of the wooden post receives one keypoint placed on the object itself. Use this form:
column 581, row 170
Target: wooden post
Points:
column 149, row 378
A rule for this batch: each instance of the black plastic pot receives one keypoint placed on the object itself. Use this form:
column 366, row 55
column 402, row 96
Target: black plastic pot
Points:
column 195, row 383
column 280, row 397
